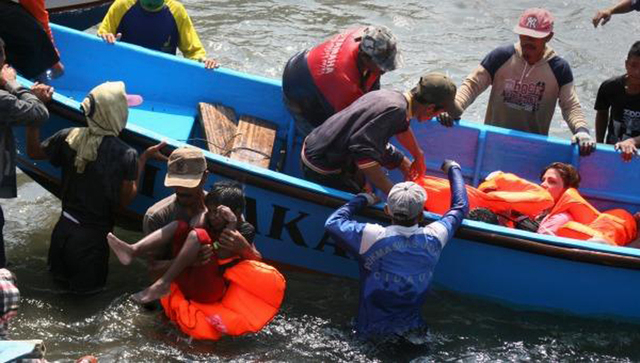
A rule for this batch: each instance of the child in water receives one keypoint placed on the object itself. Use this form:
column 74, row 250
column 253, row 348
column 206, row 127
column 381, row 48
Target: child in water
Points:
column 221, row 225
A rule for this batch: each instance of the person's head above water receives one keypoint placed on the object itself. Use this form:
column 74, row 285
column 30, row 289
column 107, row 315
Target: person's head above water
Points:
column 557, row 177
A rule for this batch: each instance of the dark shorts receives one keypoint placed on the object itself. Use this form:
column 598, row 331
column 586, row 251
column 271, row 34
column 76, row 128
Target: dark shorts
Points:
column 27, row 46
column 79, row 256
column 348, row 182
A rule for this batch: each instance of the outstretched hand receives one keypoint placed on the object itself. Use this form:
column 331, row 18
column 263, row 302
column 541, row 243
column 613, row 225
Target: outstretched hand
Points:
column 110, row 38
column 154, row 152
column 627, row 148
column 601, row 17
column 585, row 142
column 210, row 63
column 42, row 91
column 448, row 164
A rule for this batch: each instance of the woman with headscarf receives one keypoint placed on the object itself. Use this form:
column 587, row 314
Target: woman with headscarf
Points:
column 99, row 173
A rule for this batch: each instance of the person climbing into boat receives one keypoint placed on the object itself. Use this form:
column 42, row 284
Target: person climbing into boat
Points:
column 527, row 79
column 19, row 106
column 24, row 26
column 161, row 25
column 233, row 293
column 225, row 204
column 622, row 7
column 323, row 80
column 397, row 262
column 99, row 173
column 618, row 103
column 353, row 145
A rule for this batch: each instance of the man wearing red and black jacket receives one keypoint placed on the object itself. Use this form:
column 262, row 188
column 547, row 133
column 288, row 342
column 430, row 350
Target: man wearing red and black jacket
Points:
column 327, row 78
column 24, row 26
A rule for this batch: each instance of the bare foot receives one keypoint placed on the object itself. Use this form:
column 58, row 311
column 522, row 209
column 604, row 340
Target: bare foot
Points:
column 123, row 250
column 151, row 293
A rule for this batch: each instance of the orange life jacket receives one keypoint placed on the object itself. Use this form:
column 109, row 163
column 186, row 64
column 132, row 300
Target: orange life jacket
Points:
column 614, row 227
column 252, row 298
column 503, row 193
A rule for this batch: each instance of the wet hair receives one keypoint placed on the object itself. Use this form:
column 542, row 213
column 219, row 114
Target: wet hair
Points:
column 228, row 193
column 483, row 215
column 634, row 51
column 568, row 173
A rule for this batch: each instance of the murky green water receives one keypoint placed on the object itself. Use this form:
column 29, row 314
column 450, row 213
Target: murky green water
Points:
column 314, row 325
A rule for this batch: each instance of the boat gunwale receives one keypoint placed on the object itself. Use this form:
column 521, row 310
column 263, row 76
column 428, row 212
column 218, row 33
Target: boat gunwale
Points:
column 555, row 247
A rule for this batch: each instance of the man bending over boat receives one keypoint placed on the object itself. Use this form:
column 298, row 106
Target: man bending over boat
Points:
column 325, row 79
column 397, row 262
column 352, row 146
column 99, row 173
column 527, row 79
column 161, row 25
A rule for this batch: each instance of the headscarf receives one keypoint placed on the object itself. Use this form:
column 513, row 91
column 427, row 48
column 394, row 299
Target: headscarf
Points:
column 106, row 110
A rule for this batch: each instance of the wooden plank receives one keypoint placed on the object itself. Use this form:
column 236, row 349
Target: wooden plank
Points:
column 219, row 127
column 254, row 144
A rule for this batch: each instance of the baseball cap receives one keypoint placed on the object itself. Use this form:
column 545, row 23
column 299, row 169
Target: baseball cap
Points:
column 185, row 167
column 535, row 22
column 406, row 200
column 438, row 89
column 382, row 46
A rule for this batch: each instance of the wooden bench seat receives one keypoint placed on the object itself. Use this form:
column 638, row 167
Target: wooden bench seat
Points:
column 250, row 140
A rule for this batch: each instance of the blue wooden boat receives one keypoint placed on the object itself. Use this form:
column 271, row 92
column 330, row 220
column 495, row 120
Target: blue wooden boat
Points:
column 520, row 269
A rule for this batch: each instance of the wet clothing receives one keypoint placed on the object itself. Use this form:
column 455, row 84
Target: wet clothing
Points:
column 18, row 107
column 79, row 256
column 28, row 46
column 523, row 97
column 89, row 201
column 358, row 136
column 396, row 262
column 165, row 30
column 9, row 300
column 623, row 109
column 325, row 79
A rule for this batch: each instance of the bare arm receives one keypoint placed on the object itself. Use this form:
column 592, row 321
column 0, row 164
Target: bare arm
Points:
column 603, row 16
column 602, row 120
column 409, row 141
column 129, row 188
column 34, row 147
column 376, row 176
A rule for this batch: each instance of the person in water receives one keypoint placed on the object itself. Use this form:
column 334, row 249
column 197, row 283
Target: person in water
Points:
column 327, row 78
column 24, row 25
column 622, row 7
column 397, row 262
column 100, row 173
column 527, row 80
column 223, row 225
column 161, row 25
column 351, row 148
column 618, row 103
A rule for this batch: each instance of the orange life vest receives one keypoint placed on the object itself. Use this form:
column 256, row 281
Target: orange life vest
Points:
column 614, row 227
column 503, row 193
column 252, row 298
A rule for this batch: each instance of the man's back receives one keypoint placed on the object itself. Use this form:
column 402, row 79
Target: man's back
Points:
column 91, row 196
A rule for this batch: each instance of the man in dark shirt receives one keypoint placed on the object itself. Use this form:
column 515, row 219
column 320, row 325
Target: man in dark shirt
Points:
column 618, row 103
column 99, row 173
column 19, row 106
column 353, row 144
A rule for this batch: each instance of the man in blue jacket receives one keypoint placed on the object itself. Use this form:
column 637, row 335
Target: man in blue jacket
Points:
column 397, row 262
